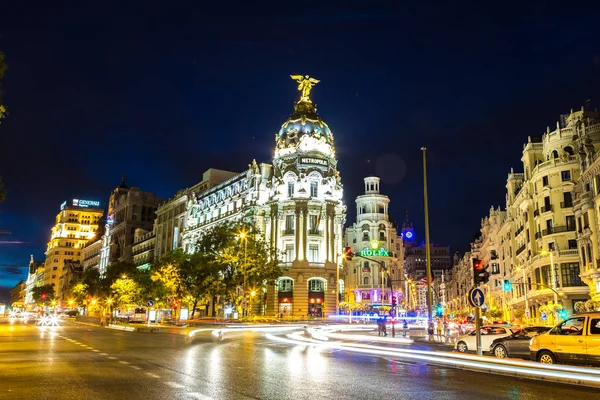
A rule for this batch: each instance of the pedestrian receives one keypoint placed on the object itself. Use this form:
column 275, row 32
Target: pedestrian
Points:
column 384, row 326
column 439, row 330
column 379, row 326
column 405, row 328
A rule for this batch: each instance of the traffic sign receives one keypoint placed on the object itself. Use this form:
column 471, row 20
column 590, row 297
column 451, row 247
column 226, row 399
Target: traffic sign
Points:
column 476, row 297
column 544, row 316
column 150, row 303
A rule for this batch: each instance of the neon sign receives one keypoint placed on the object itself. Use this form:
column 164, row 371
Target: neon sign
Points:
column 110, row 219
column 85, row 203
column 374, row 253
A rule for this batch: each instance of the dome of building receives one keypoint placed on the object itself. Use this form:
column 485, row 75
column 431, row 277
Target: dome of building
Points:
column 303, row 121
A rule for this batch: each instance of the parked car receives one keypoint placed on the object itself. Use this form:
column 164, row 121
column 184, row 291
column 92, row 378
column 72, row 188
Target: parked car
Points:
column 575, row 340
column 468, row 342
column 517, row 344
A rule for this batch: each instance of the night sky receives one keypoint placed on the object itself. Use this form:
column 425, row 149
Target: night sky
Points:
column 165, row 93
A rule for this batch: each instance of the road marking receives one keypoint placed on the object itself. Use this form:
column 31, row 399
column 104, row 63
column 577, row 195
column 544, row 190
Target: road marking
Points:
column 173, row 385
column 113, row 358
column 152, row 375
column 97, row 351
column 134, row 367
column 89, row 347
column 103, row 354
column 200, row 396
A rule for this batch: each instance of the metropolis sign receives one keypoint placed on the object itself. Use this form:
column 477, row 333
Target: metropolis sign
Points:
column 85, row 203
column 309, row 160
column 374, row 253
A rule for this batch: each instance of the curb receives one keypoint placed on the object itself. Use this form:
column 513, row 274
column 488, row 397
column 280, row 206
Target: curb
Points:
column 121, row 328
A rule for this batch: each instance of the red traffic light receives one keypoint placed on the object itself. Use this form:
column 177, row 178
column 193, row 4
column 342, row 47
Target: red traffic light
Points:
column 43, row 295
column 347, row 253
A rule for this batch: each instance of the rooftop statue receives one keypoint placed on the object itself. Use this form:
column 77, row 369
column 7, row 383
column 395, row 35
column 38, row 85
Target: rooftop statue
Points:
column 305, row 84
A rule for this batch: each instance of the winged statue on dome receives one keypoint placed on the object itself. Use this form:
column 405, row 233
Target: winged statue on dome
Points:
column 305, row 84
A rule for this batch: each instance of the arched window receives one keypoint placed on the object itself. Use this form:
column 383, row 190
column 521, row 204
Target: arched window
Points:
column 316, row 285
column 285, row 285
column 341, row 283
column 554, row 154
column 366, row 280
column 365, row 236
column 569, row 150
column 381, row 236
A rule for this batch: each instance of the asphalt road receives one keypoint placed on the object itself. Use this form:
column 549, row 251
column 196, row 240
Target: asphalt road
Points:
column 83, row 362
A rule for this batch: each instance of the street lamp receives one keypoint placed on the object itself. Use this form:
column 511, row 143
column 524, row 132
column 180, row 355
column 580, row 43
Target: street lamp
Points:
column 519, row 268
column 242, row 235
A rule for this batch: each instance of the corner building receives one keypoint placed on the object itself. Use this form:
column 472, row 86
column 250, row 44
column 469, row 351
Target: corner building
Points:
column 296, row 202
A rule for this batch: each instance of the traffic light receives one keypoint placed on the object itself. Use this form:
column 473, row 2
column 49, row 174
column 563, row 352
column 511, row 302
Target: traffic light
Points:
column 507, row 285
column 394, row 302
column 563, row 314
column 44, row 296
column 348, row 254
column 439, row 310
column 480, row 273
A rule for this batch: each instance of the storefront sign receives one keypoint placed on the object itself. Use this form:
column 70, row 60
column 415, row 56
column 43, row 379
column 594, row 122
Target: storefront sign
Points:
column 110, row 219
column 85, row 203
column 309, row 160
column 374, row 253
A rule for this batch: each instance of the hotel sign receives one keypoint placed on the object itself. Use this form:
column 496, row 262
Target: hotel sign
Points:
column 316, row 161
column 85, row 203
column 374, row 253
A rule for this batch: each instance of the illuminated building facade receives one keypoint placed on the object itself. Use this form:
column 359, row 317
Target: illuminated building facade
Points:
column 75, row 224
column 35, row 278
column 374, row 236
column 296, row 202
column 128, row 209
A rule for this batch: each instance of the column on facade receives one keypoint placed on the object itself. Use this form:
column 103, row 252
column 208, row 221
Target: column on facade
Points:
column 297, row 233
column 326, row 235
column 331, row 237
column 593, row 238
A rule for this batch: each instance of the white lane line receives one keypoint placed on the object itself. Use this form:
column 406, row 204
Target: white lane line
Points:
column 103, row 354
column 174, row 385
column 150, row 374
column 113, row 358
column 89, row 347
column 134, row 367
column 124, row 362
column 97, row 351
column 200, row 396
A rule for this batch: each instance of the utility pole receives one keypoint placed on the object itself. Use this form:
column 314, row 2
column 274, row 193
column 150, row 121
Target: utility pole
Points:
column 427, row 246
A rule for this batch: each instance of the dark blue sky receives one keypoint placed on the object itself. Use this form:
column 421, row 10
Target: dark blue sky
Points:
column 164, row 93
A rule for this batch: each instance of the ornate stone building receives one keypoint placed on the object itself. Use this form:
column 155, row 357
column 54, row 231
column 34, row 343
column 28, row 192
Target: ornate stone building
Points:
column 586, row 199
column 363, row 278
column 296, row 202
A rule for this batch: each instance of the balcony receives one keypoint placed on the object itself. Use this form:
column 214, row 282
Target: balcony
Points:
column 288, row 232
column 315, row 232
column 566, row 204
column 538, row 235
column 519, row 230
column 546, row 208
column 520, row 249
column 536, row 213
column 558, row 229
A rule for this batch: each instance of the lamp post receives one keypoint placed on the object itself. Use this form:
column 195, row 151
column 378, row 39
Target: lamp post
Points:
column 243, row 237
column 427, row 248
column 337, row 284
column 526, row 293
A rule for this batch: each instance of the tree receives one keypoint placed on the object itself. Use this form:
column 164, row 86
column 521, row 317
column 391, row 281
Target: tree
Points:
column 126, row 292
column 79, row 291
column 42, row 294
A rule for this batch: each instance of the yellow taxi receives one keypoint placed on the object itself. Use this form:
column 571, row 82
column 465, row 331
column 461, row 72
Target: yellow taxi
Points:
column 575, row 340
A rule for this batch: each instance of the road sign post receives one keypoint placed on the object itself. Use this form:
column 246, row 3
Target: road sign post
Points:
column 477, row 299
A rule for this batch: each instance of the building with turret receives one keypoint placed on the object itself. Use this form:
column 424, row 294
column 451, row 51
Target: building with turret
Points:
column 295, row 202
column 376, row 237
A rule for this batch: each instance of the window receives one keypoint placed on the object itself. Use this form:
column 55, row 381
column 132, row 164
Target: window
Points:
column 495, row 269
column 547, row 203
column 289, row 223
column 366, row 296
column 572, row 244
column 316, row 285
column 314, row 189
column 545, row 181
column 570, row 222
column 286, row 285
column 594, row 326
column 565, row 175
column 313, row 223
column 313, row 252
column 366, row 280
column 570, row 274
column 573, row 326
column 546, row 275
column 382, row 236
column 567, row 200
column 289, row 253
column 290, row 189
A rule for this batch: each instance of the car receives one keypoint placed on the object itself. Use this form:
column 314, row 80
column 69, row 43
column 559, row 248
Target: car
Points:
column 468, row 342
column 575, row 340
column 517, row 344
